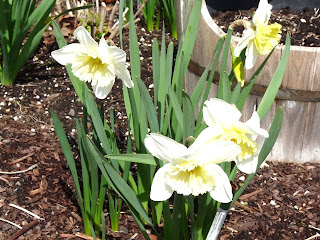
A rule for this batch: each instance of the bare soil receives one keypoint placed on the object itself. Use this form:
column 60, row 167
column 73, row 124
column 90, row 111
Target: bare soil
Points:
column 281, row 203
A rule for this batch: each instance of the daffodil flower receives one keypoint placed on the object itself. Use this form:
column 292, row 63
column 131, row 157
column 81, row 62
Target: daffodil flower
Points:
column 95, row 63
column 260, row 38
column 223, row 123
column 192, row 170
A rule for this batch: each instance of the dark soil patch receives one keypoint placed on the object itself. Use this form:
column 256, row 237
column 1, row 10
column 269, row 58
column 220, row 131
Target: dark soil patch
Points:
column 304, row 27
column 283, row 204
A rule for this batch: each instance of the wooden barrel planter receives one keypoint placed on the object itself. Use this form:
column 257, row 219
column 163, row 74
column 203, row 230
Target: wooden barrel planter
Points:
column 299, row 139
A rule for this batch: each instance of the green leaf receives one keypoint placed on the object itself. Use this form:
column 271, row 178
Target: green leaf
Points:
column 98, row 124
column 150, row 109
column 190, row 201
column 121, row 7
column 275, row 82
column 156, row 69
column 187, row 41
column 132, row 157
column 74, row 9
column 235, row 93
column 198, row 90
column 224, row 86
column 176, row 107
column 117, row 183
column 188, row 117
column 163, row 86
column 68, row 154
column 200, row 125
column 238, row 68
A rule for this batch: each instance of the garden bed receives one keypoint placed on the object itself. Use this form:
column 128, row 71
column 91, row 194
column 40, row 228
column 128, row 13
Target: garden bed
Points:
column 281, row 202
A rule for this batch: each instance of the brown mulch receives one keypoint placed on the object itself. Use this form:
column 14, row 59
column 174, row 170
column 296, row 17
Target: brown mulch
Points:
column 281, row 203
column 304, row 27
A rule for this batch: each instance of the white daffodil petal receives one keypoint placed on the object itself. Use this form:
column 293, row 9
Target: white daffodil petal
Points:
column 218, row 112
column 205, row 137
column 160, row 190
column 222, row 192
column 251, row 55
column 102, row 92
column 249, row 165
column 122, row 72
column 85, row 38
column 117, row 55
column 103, row 50
column 248, row 35
column 263, row 13
column 217, row 151
column 164, row 148
column 67, row 54
column 254, row 125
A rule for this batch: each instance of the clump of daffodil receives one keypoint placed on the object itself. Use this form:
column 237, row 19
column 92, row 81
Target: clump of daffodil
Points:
column 190, row 171
column 95, row 63
column 259, row 37
column 223, row 123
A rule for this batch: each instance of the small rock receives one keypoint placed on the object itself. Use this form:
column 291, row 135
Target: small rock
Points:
column 272, row 202
column 123, row 230
column 71, row 112
column 6, row 226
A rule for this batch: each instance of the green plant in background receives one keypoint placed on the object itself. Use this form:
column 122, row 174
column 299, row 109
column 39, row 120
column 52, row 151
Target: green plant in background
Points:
column 165, row 11
column 168, row 13
column 167, row 186
column 22, row 24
